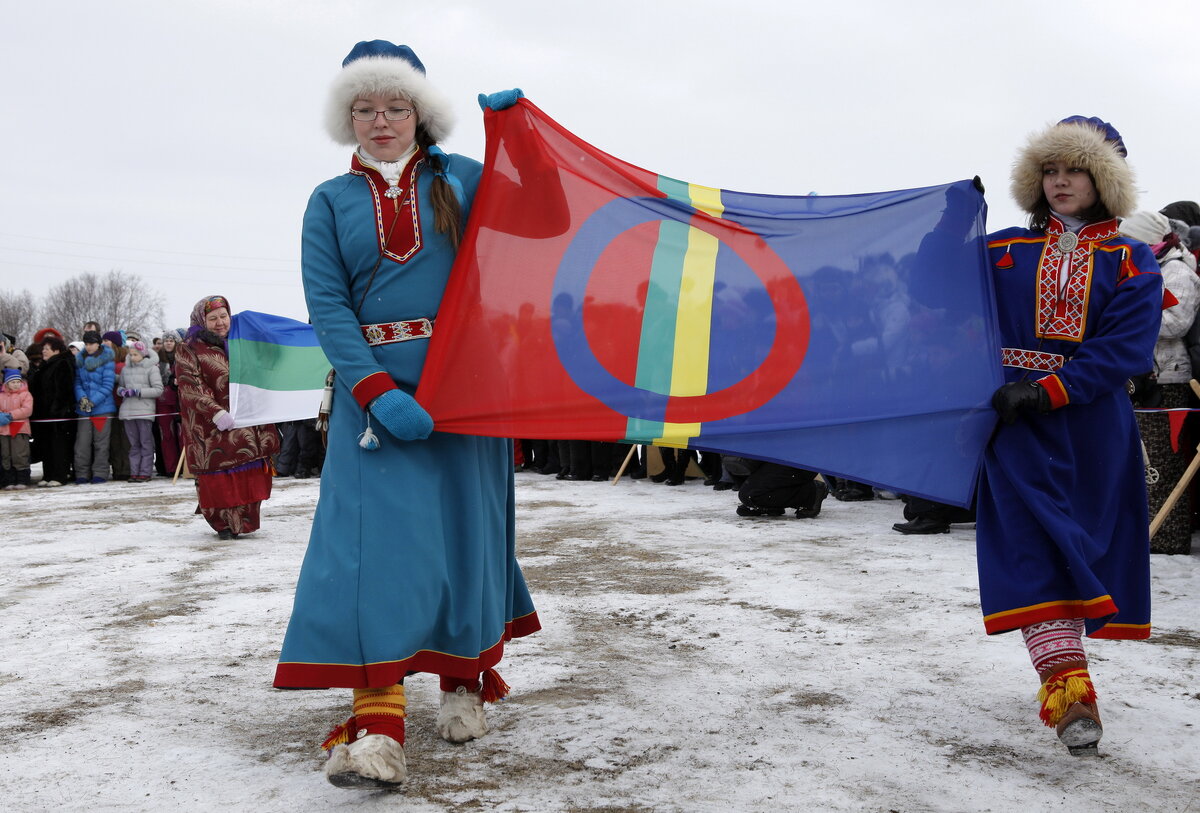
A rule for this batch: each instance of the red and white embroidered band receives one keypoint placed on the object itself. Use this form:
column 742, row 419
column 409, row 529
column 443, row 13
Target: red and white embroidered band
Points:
column 1031, row 359
column 1051, row 643
column 392, row 332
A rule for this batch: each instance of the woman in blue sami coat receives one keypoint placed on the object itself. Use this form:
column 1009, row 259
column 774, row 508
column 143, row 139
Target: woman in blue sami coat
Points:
column 1062, row 528
column 411, row 565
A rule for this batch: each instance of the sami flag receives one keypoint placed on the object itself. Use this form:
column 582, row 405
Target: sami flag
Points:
column 593, row 300
column 276, row 369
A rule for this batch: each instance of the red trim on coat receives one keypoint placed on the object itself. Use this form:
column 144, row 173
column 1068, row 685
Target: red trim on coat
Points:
column 1055, row 389
column 1050, row 611
column 371, row 387
column 388, row 673
column 1123, row 632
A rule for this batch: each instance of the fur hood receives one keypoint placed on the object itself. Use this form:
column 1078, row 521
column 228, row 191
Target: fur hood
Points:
column 1079, row 145
column 382, row 74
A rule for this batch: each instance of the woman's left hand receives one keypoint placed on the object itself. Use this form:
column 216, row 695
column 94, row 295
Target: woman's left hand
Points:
column 500, row 100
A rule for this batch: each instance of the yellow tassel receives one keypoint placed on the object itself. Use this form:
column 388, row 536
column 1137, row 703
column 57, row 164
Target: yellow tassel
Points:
column 341, row 735
column 1063, row 690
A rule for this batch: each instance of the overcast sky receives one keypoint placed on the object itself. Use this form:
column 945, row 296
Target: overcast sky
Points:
column 180, row 140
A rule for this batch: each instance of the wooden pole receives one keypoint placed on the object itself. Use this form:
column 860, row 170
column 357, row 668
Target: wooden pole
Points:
column 178, row 466
column 1181, row 486
column 632, row 448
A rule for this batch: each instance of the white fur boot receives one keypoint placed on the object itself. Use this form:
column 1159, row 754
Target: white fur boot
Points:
column 375, row 761
column 460, row 715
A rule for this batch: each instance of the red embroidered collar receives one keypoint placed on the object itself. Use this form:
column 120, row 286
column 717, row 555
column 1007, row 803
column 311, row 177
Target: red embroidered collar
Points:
column 396, row 216
column 1092, row 232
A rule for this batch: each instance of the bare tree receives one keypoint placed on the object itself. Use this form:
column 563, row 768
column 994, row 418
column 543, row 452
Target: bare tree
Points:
column 118, row 301
column 17, row 316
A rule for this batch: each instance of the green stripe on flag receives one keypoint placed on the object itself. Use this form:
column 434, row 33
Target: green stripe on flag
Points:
column 276, row 367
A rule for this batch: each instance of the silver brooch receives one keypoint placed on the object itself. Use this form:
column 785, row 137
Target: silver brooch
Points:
column 394, row 192
column 1067, row 242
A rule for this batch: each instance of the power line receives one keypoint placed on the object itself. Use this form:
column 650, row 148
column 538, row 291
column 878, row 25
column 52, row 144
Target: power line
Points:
column 146, row 262
column 139, row 248
column 157, row 275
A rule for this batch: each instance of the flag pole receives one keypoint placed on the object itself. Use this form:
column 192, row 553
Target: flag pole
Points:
column 178, row 466
column 628, row 457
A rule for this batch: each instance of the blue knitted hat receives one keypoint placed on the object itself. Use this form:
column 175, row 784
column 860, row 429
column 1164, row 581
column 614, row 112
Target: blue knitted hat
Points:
column 383, row 48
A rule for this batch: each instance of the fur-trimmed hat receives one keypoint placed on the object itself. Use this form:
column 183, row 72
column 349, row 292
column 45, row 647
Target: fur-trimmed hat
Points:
column 1149, row 227
column 41, row 335
column 379, row 66
column 1089, row 144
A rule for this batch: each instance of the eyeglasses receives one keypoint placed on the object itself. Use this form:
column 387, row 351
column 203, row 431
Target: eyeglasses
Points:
column 391, row 114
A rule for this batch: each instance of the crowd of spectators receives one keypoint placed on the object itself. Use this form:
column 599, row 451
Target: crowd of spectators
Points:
column 105, row 407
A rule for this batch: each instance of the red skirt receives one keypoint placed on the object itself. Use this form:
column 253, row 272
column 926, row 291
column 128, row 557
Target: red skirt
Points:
column 230, row 488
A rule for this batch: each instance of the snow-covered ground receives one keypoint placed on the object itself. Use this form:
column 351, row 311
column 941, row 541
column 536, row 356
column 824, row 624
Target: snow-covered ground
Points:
column 690, row 660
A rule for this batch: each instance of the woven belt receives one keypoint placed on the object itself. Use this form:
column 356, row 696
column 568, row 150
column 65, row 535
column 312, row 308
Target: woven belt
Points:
column 392, row 332
column 1031, row 359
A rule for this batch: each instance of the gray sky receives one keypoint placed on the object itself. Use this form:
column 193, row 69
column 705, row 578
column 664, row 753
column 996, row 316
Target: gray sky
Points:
column 180, row 140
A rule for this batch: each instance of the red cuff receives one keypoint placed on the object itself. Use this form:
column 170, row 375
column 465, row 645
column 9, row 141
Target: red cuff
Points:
column 371, row 387
column 1055, row 389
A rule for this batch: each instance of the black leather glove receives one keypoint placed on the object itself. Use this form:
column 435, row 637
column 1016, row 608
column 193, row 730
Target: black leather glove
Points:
column 1020, row 396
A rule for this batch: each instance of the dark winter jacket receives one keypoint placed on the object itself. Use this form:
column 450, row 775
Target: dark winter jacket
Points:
column 94, row 377
column 53, row 388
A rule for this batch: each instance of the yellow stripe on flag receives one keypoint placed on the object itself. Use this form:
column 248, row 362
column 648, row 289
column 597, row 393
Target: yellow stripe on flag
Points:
column 693, row 334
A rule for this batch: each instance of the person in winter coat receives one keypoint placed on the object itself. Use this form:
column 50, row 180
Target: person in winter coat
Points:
column 11, row 356
column 167, row 406
column 411, row 566
column 232, row 466
column 1172, row 372
column 1062, row 531
column 95, row 372
column 118, row 442
column 140, row 384
column 16, row 407
column 53, row 388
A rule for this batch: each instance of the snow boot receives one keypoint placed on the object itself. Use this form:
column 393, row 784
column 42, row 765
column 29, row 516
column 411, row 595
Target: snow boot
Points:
column 1080, row 729
column 367, row 751
column 744, row 510
column 373, row 761
column 813, row 509
column 1069, row 707
column 460, row 714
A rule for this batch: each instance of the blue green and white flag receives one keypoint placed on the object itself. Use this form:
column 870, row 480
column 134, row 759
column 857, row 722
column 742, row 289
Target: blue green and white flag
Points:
column 276, row 369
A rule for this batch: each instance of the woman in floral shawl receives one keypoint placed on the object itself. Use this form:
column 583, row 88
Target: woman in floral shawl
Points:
column 232, row 466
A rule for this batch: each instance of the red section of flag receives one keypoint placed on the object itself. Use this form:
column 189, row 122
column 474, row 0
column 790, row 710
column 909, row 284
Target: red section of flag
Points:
column 541, row 184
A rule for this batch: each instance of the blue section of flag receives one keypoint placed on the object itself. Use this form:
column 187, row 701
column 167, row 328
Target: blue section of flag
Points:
column 265, row 327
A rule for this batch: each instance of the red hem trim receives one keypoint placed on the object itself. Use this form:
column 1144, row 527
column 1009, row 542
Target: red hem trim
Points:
column 389, row 673
column 1056, row 391
column 371, row 387
column 1123, row 632
column 1023, row 617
